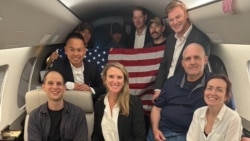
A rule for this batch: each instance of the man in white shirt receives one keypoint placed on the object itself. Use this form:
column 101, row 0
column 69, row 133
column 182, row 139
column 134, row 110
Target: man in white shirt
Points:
column 79, row 74
column 140, row 36
column 184, row 34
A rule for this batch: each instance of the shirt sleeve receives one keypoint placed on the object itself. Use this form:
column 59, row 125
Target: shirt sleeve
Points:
column 234, row 130
column 33, row 129
column 162, row 99
column 81, row 128
column 192, row 134
column 70, row 85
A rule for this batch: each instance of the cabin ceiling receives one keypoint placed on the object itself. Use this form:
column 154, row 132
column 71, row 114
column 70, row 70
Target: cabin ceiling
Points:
column 25, row 23
column 89, row 10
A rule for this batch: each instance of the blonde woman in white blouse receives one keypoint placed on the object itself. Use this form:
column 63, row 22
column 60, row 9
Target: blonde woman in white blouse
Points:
column 215, row 122
column 118, row 115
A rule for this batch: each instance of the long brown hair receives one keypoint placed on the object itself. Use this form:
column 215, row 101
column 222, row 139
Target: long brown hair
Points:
column 123, row 96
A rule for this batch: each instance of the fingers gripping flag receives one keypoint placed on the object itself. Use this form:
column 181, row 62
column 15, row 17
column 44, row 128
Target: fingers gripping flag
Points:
column 141, row 64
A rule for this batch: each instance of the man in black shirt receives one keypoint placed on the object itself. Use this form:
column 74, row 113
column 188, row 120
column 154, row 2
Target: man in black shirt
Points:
column 156, row 29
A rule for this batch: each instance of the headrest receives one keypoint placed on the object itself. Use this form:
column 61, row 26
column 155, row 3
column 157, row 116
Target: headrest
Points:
column 82, row 99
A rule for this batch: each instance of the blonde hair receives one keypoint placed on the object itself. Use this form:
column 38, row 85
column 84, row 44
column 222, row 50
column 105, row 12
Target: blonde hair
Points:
column 123, row 96
column 173, row 4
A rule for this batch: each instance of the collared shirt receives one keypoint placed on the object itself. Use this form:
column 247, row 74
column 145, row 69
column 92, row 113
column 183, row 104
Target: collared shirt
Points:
column 226, row 127
column 110, row 121
column 78, row 74
column 78, row 78
column 178, row 101
column 180, row 41
column 140, row 38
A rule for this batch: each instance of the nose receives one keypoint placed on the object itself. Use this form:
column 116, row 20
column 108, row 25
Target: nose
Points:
column 54, row 86
column 174, row 21
column 213, row 92
column 75, row 52
column 192, row 61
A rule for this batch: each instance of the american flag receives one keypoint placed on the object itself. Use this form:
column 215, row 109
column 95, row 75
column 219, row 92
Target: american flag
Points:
column 98, row 56
column 141, row 64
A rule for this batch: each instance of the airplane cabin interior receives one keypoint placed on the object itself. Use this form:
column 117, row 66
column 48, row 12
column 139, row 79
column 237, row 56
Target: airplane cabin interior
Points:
column 30, row 30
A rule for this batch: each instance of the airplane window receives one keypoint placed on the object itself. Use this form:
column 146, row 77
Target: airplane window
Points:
column 216, row 65
column 24, row 83
column 3, row 70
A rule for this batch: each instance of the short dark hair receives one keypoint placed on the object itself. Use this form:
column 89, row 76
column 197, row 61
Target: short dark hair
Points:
column 74, row 35
column 115, row 28
column 84, row 25
column 49, row 71
column 139, row 8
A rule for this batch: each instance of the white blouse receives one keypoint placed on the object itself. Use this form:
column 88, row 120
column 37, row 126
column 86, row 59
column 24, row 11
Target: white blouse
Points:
column 110, row 122
column 227, row 126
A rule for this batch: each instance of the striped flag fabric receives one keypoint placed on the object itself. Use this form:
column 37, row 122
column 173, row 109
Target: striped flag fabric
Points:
column 141, row 64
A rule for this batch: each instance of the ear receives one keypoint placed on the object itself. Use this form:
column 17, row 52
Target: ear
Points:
column 163, row 28
column 206, row 59
column 64, row 88
column 65, row 49
column 182, row 62
column 146, row 16
column 43, row 86
column 227, row 98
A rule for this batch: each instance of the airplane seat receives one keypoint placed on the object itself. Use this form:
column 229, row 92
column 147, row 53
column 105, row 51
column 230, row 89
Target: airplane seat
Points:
column 37, row 97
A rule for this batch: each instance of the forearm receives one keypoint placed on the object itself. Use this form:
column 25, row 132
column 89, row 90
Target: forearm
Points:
column 155, row 117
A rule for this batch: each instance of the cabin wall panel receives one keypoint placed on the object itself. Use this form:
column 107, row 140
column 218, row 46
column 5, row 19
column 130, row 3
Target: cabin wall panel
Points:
column 236, row 58
column 229, row 28
column 29, row 21
column 16, row 59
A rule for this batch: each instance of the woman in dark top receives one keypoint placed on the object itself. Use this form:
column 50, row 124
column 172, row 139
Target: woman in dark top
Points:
column 118, row 115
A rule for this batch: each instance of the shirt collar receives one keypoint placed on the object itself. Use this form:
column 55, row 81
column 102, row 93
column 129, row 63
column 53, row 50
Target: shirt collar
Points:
column 77, row 69
column 143, row 32
column 219, row 116
column 65, row 107
column 222, row 112
column 201, row 84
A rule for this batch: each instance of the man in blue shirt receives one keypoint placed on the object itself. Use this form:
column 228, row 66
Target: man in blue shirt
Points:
column 180, row 96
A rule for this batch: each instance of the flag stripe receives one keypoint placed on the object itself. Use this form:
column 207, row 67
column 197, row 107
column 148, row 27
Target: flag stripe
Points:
column 143, row 74
column 137, row 62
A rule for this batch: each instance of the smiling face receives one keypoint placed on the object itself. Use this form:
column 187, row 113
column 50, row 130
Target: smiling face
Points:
column 86, row 35
column 54, row 86
column 114, row 80
column 139, row 19
column 75, row 50
column 178, row 20
column 193, row 61
column 156, row 31
column 215, row 93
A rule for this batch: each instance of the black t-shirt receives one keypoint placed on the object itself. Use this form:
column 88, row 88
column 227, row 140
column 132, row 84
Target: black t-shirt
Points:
column 192, row 85
column 56, row 118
